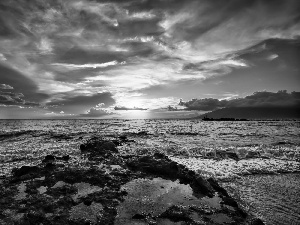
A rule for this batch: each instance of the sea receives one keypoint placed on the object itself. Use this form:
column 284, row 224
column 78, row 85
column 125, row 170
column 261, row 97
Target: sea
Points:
column 258, row 162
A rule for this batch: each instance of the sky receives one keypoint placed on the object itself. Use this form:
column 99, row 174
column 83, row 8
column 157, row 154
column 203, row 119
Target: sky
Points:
column 175, row 58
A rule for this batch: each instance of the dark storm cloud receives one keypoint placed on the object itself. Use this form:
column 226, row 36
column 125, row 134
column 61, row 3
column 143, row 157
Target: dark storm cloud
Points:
column 82, row 103
column 21, row 84
column 205, row 104
column 8, row 98
column 267, row 99
column 127, row 108
column 271, row 64
column 257, row 99
column 279, row 50
column 17, row 99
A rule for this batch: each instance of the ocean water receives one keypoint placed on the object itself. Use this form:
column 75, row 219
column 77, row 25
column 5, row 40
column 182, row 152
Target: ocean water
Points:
column 268, row 153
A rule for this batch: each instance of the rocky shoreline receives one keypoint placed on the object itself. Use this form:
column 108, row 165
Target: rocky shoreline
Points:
column 115, row 189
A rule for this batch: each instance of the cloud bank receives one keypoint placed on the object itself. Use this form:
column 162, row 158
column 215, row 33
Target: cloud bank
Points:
column 257, row 99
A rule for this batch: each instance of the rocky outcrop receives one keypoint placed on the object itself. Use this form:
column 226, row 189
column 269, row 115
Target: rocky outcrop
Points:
column 57, row 193
column 98, row 146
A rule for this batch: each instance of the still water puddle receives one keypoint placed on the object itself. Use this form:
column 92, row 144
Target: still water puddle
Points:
column 84, row 189
column 21, row 189
column 155, row 196
column 89, row 213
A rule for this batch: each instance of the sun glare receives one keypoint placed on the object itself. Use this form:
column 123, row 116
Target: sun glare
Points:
column 136, row 114
column 134, row 103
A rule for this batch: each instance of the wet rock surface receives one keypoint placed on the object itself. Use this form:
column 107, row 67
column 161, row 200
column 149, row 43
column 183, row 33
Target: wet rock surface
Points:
column 115, row 189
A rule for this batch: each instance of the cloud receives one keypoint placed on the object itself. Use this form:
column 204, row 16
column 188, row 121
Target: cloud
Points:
column 205, row 104
column 10, row 98
column 2, row 57
column 79, row 104
column 97, row 111
column 267, row 99
column 97, row 65
column 5, row 86
column 257, row 99
column 128, row 108
column 21, row 83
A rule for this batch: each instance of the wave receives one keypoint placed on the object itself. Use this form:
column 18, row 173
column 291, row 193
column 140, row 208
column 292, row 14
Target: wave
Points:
column 14, row 134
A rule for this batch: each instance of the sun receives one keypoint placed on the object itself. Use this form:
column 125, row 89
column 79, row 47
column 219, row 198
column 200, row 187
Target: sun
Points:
column 134, row 103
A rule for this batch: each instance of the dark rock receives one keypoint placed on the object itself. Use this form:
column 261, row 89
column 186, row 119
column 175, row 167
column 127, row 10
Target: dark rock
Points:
column 109, row 146
column 34, row 217
column 61, row 136
column 142, row 133
column 139, row 217
column 123, row 137
column 159, row 155
column 251, row 154
column 169, row 169
column 284, row 143
column 98, row 146
column 256, row 221
column 48, row 158
column 232, row 155
column 217, row 187
column 230, row 201
column 50, row 166
column 202, row 186
column 151, row 165
column 25, row 170
column 117, row 142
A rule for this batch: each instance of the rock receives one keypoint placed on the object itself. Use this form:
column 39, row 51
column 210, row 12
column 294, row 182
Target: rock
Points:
column 202, row 186
column 232, row 155
column 142, row 133
column 162, row 166
column 49, row 158
column 49, row 166
column 256, row 221
column 109, row 146
column 24, row 170
column 151, row 165
column 230, row 201
column 252, row 154
column 91, row 194
column 139, row 217
column 98, row 146
column 159, row 155
column 217, row 187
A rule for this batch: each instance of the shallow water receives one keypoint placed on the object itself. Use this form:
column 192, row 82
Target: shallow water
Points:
column 190, row 142
column 155, row 196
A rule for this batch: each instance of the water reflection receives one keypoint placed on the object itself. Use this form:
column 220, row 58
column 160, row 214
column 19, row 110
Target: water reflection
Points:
column 155, row 196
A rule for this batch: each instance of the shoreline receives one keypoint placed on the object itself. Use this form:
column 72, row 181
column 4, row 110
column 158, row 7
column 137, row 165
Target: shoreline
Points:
column 83, row 191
